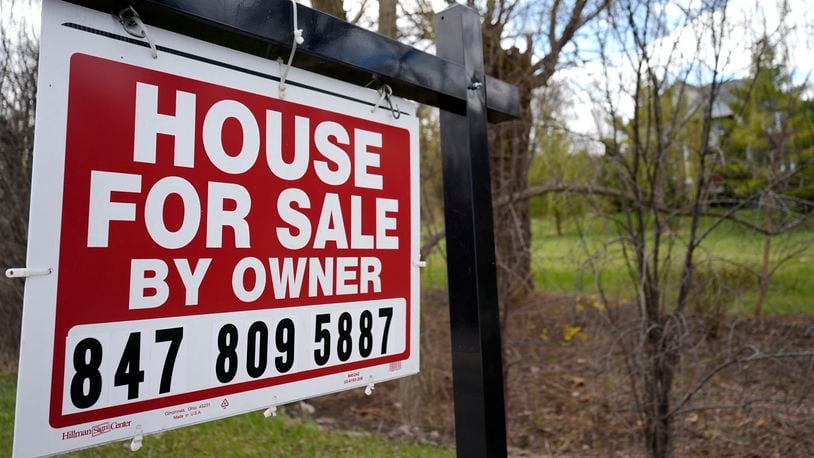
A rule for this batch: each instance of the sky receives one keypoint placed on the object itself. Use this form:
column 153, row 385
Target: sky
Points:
column 584, row 83
column 20, row 13
column 747, row 19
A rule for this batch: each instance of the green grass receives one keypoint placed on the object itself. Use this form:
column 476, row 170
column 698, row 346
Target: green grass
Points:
column 248, row 435
column 7, row 390
column 566, row 264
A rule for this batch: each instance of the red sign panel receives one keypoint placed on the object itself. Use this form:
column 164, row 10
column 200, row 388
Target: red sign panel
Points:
column 341, row 229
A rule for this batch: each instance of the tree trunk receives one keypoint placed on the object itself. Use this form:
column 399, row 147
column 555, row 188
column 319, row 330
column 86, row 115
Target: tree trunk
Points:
column 509, row 147
column 765, row 276
column 769, row 215
column 411, row 389
column 332, row 7
column 387, row 18
column 558, row 221
column 660, row 361
column 658, row 423
column 510, row 161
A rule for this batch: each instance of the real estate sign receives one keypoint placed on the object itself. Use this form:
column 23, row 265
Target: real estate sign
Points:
column 214, row 249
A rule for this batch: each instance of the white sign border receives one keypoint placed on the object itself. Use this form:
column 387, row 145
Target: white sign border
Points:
column 33, row 434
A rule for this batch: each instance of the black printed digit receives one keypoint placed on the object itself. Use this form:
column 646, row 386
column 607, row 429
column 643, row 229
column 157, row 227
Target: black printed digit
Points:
column 366, row 336
column 174, row 337
column 258, row 333
column 226, row 364
column 322, row 335
column 128, row 372
column 344, row 345
column 87, row 357
column 285, row 345
column 387, row 314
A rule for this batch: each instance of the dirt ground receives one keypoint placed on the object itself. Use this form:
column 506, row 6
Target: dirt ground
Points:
column 568, row 390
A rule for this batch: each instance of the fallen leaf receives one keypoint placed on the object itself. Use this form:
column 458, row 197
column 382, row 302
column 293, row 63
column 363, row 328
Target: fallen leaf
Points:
column 569, row 332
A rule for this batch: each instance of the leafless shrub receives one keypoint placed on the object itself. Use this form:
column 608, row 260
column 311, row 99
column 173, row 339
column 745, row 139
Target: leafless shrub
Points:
column 19, row 54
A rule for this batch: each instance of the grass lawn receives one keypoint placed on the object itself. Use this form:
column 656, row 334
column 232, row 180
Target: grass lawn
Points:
column 246, row 435
column 567, row 264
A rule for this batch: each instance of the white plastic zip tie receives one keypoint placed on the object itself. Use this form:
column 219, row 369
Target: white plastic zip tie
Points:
column 271, row 411
column 298, row 40
column 24, row 272
column 369, row 389
column 420, row 263
column 135, row 444
column 131, row 20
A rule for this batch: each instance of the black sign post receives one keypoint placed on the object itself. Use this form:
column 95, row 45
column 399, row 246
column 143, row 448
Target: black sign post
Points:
column 480, row 419
column 453, row 81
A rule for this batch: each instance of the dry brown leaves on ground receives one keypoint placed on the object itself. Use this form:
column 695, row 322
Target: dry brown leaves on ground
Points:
column 568, row 389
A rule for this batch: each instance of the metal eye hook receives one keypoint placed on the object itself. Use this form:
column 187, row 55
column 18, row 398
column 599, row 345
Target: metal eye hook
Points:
column 385, row 93
column 132, row 24
column 394, row 110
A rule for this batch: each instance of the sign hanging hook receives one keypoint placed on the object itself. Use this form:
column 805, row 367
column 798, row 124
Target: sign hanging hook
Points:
column 132, row 24
column 385, row 94
column 298, row 40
